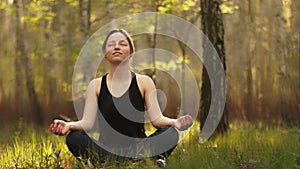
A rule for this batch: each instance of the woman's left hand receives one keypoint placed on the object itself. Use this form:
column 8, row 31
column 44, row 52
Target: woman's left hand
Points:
column 184, row 122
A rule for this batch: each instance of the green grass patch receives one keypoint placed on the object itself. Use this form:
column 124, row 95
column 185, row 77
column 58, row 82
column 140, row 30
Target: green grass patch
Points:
column 243, row 146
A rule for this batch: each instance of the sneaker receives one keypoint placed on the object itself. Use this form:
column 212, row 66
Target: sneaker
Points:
column 161, row 161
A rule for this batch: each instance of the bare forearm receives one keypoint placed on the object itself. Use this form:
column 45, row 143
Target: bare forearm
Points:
column 163, row 121
column 182, row 123
column 78, row 125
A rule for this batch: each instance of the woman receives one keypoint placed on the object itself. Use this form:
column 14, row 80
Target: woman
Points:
column 120, row 99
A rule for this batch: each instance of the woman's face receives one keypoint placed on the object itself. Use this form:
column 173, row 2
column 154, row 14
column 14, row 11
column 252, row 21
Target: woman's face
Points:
column 117, row 48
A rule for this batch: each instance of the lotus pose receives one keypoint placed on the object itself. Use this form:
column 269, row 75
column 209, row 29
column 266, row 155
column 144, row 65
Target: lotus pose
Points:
column 121, row 99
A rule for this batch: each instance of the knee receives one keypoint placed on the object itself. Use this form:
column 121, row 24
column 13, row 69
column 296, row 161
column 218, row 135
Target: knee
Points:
column 174, row 133
column 73, row 137
column 171, row 132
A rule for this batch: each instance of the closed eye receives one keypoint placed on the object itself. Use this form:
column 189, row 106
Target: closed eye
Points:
column 123, row 43
column 111, row 44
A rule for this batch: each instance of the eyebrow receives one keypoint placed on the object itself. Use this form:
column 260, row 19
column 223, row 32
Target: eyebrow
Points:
column 122, row 40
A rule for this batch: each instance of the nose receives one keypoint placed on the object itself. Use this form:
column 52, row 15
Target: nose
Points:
column 117, row 46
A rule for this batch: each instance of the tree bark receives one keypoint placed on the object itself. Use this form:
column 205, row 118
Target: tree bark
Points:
column 248, row 93
column 84, row 18
column 18, row 66
column 50, row 72
column 23, row 57
column 213, row 28
column 282, row 68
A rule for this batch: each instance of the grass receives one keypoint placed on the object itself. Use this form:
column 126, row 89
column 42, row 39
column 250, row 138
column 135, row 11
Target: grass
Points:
column 243, row 147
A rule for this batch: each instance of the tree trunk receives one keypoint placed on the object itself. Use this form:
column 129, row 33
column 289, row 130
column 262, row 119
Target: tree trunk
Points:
column 213, row 28
column 248, row 95
column 282, row 68
column 109, row 12
column 50, row 91
column 84, row 18
column 18, row 66
column 28, row 69
column 62, row 22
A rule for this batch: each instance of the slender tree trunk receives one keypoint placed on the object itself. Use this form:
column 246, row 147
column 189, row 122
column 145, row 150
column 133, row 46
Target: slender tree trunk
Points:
column 282, row 68
column 266, row 81
column 28, row 68
column 248, row 96
column 84, row 18
column 2, row 54
column 153, row 43
column 18, row 66
column 62, row 22
column 248, row 99
column 50, row 74
column 213, row 28
column 109, row 11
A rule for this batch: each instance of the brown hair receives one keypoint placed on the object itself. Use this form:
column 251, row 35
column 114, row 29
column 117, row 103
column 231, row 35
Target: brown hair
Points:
column 125, row 33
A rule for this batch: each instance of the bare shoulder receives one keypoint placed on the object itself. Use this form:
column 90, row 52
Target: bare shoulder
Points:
column 96, row 81
column 145, row 82
column 95, row 85
column 144, row 79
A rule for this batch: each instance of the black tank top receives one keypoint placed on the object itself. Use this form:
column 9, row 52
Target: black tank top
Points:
column 121, row 117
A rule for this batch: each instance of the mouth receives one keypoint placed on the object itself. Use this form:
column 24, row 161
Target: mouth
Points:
column 116, row 53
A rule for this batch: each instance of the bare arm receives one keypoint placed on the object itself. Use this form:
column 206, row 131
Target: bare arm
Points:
column 153, row 109
column 61, row 127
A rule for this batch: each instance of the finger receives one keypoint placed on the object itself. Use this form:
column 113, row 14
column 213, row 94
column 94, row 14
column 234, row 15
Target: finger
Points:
column 188, row 119
column 53, row 128
column 60, row 128
column 182, row 123
column 57, row 122
column 50, row 127
column 55, row 125
column 187, row 122
column 56, row 129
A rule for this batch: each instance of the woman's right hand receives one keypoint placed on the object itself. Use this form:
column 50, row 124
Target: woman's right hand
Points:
column 59, row 127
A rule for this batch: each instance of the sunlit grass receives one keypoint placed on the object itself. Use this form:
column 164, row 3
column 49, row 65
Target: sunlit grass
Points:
column 24, row 146
column 244, row 146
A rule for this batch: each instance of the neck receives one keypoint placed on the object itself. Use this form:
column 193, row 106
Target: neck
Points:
column 119, row 71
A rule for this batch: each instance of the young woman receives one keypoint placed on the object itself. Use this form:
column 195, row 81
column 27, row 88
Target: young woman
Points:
column 121, row 99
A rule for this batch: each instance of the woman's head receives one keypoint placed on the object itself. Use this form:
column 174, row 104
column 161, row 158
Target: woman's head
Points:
column 123, row 32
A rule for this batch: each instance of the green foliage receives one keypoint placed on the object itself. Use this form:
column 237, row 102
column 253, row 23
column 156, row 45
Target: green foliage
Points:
column 188, row 9
column 39, row 11
column 3, row 5
column 229, row 7
column 244, row 146
column 73, row 3
column 167, row 6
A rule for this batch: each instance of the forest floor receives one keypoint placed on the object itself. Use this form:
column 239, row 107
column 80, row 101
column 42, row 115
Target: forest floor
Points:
column 243, row 146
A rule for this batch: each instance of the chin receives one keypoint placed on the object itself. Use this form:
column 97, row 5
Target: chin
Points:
column 116, row 61
column 120, row 60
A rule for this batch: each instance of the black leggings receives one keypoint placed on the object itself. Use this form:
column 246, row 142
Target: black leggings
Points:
column 81, row 145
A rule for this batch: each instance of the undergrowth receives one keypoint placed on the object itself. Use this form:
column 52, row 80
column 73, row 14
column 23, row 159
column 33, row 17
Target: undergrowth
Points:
column 243, row 146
